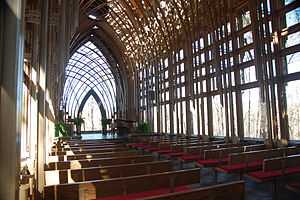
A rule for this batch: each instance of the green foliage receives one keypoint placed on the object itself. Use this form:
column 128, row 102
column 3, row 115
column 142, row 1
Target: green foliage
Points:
column 105, row 122
column 143, row 127
column 78, row 121
column 61, row 130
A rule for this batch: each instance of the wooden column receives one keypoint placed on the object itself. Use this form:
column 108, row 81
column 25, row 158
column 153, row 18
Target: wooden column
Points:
column 41, row 123
column 189, row 87
column 171, row 92
column 237, row 78
column 281, row 91
column 11, row 80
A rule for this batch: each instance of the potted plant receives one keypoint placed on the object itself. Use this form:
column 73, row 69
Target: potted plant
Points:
column 78, row 121
column 105, row 122
column 143, row 128
column 61, row 130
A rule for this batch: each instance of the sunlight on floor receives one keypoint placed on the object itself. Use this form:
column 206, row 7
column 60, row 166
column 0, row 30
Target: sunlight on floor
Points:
column 52, row 177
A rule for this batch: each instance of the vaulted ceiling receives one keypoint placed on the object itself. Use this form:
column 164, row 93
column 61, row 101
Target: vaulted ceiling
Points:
column 147, row 28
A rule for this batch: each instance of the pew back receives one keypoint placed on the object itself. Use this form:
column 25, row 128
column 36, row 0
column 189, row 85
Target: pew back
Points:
column 78, row 164
column 281, row 163
column 221, row 153
column 86, row 151
column 232, row 191
column 122, row 186
column 107, row 172
column 92, row 156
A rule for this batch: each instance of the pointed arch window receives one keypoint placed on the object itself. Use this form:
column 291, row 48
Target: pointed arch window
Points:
column 87, row 70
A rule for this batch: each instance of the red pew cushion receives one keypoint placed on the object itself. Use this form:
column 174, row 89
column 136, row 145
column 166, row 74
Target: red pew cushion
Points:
column 232, row 168
column 292, row 170
column 212, row 162
column 208, row 162
column 265, row 176
column 242, row 166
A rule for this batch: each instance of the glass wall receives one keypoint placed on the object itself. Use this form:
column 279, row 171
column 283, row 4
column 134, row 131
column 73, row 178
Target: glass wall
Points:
column 88, row 70
column 238, row 77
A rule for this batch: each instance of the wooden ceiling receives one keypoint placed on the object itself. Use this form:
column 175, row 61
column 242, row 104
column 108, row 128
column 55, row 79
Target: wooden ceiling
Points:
column 149, row 28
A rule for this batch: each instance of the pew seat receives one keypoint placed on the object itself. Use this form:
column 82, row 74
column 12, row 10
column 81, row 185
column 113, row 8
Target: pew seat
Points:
column 274, row 168
column 211, row 162
column 253, row 160
column 190, row 157
column 263, row 176
column 240, row 167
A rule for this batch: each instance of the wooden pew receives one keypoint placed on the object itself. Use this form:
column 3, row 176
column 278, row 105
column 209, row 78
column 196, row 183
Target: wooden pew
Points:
column 85, row 142
column 61, row 145
column 78, row 164
column 129, row 187
column 92, row 155
column 156, row 146
column 89, row 151
column 155, row 143
column 92, row 142
column 253, row 160
column 226, row 191
column 172, row 148
column 102, row 141
column 82, row 148
column 56, row 177
column 275, row 168
column 176, row 150
column 217, row 157
column 196, row 153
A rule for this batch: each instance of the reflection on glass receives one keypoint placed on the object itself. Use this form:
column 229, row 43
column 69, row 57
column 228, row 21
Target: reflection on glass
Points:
column 293, row 108
column 293, row 62
column 292, row 17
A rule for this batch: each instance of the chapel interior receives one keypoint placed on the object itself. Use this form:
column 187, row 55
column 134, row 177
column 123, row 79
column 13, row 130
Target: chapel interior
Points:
column 150, row 99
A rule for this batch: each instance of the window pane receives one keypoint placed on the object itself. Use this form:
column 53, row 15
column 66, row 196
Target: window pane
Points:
column 293, row 62
column 251, row 106
column 218, row 116
column 293, row 109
